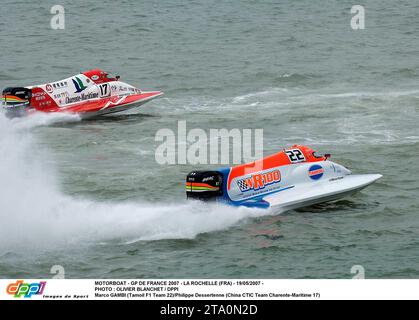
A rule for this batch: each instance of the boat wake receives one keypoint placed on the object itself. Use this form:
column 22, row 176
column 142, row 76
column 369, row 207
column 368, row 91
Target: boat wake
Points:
column 35, row 213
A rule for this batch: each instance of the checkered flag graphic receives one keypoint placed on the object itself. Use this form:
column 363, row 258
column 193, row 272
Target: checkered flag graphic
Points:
column 242, row 184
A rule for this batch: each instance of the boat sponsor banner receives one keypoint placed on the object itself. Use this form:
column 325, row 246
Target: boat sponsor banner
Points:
column 207, row 289
column 255, row 184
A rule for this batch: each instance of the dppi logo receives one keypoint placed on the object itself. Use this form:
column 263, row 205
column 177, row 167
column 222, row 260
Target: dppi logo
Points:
column 27, row 290
column 259, row 180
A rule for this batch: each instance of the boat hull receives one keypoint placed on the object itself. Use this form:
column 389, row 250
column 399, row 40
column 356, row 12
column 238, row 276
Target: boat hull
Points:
column 117, row 108
column 304, row 196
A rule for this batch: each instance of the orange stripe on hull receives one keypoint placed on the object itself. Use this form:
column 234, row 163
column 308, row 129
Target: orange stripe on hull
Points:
column 9, row 97
column 273, row 161
column 199, row 184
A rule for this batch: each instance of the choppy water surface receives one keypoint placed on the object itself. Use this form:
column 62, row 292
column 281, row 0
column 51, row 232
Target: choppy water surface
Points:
column 89, row 195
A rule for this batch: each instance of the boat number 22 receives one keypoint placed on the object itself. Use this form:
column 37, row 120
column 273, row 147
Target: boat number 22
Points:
column 295, row 155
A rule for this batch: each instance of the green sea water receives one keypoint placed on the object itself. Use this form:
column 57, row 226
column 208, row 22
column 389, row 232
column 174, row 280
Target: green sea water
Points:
column 89, row 195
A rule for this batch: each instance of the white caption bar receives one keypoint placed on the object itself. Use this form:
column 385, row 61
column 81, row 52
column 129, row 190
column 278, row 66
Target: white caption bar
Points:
column 218, row 289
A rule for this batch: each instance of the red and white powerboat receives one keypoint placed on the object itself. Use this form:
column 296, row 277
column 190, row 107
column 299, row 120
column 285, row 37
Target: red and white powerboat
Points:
column 87, row 94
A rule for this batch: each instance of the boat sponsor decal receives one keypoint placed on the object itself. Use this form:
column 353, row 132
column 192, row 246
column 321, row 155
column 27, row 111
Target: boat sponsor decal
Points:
column 61, row 95
column 59, row 85
column 295, row 155
column 254, row 184
column 45, row 103
column 39, row 98
column 259, row 180
column 82, row 97
column 95, row 77
column 49, row 88
column 79, row 85
column 20, row 289
column 38, row 94
column 315, row 172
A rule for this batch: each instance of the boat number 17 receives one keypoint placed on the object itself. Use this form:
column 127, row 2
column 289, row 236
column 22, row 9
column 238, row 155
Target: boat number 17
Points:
column 105, row 90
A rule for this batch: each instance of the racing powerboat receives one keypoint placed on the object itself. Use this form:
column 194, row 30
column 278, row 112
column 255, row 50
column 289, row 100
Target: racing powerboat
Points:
column 292, row 178
column 88, row 94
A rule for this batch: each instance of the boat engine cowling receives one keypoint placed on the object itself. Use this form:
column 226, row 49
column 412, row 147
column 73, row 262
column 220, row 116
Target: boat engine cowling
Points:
column 204, row 185
column 16, row 100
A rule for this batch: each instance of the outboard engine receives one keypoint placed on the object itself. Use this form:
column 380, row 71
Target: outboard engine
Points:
column 16, row 100
column 204, row 185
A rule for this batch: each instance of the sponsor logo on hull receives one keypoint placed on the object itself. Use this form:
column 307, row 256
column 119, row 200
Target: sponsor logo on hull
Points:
column 49, row 88
column 259, row 180
column 315, row 172
column 82, row 97
column 79, row 85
